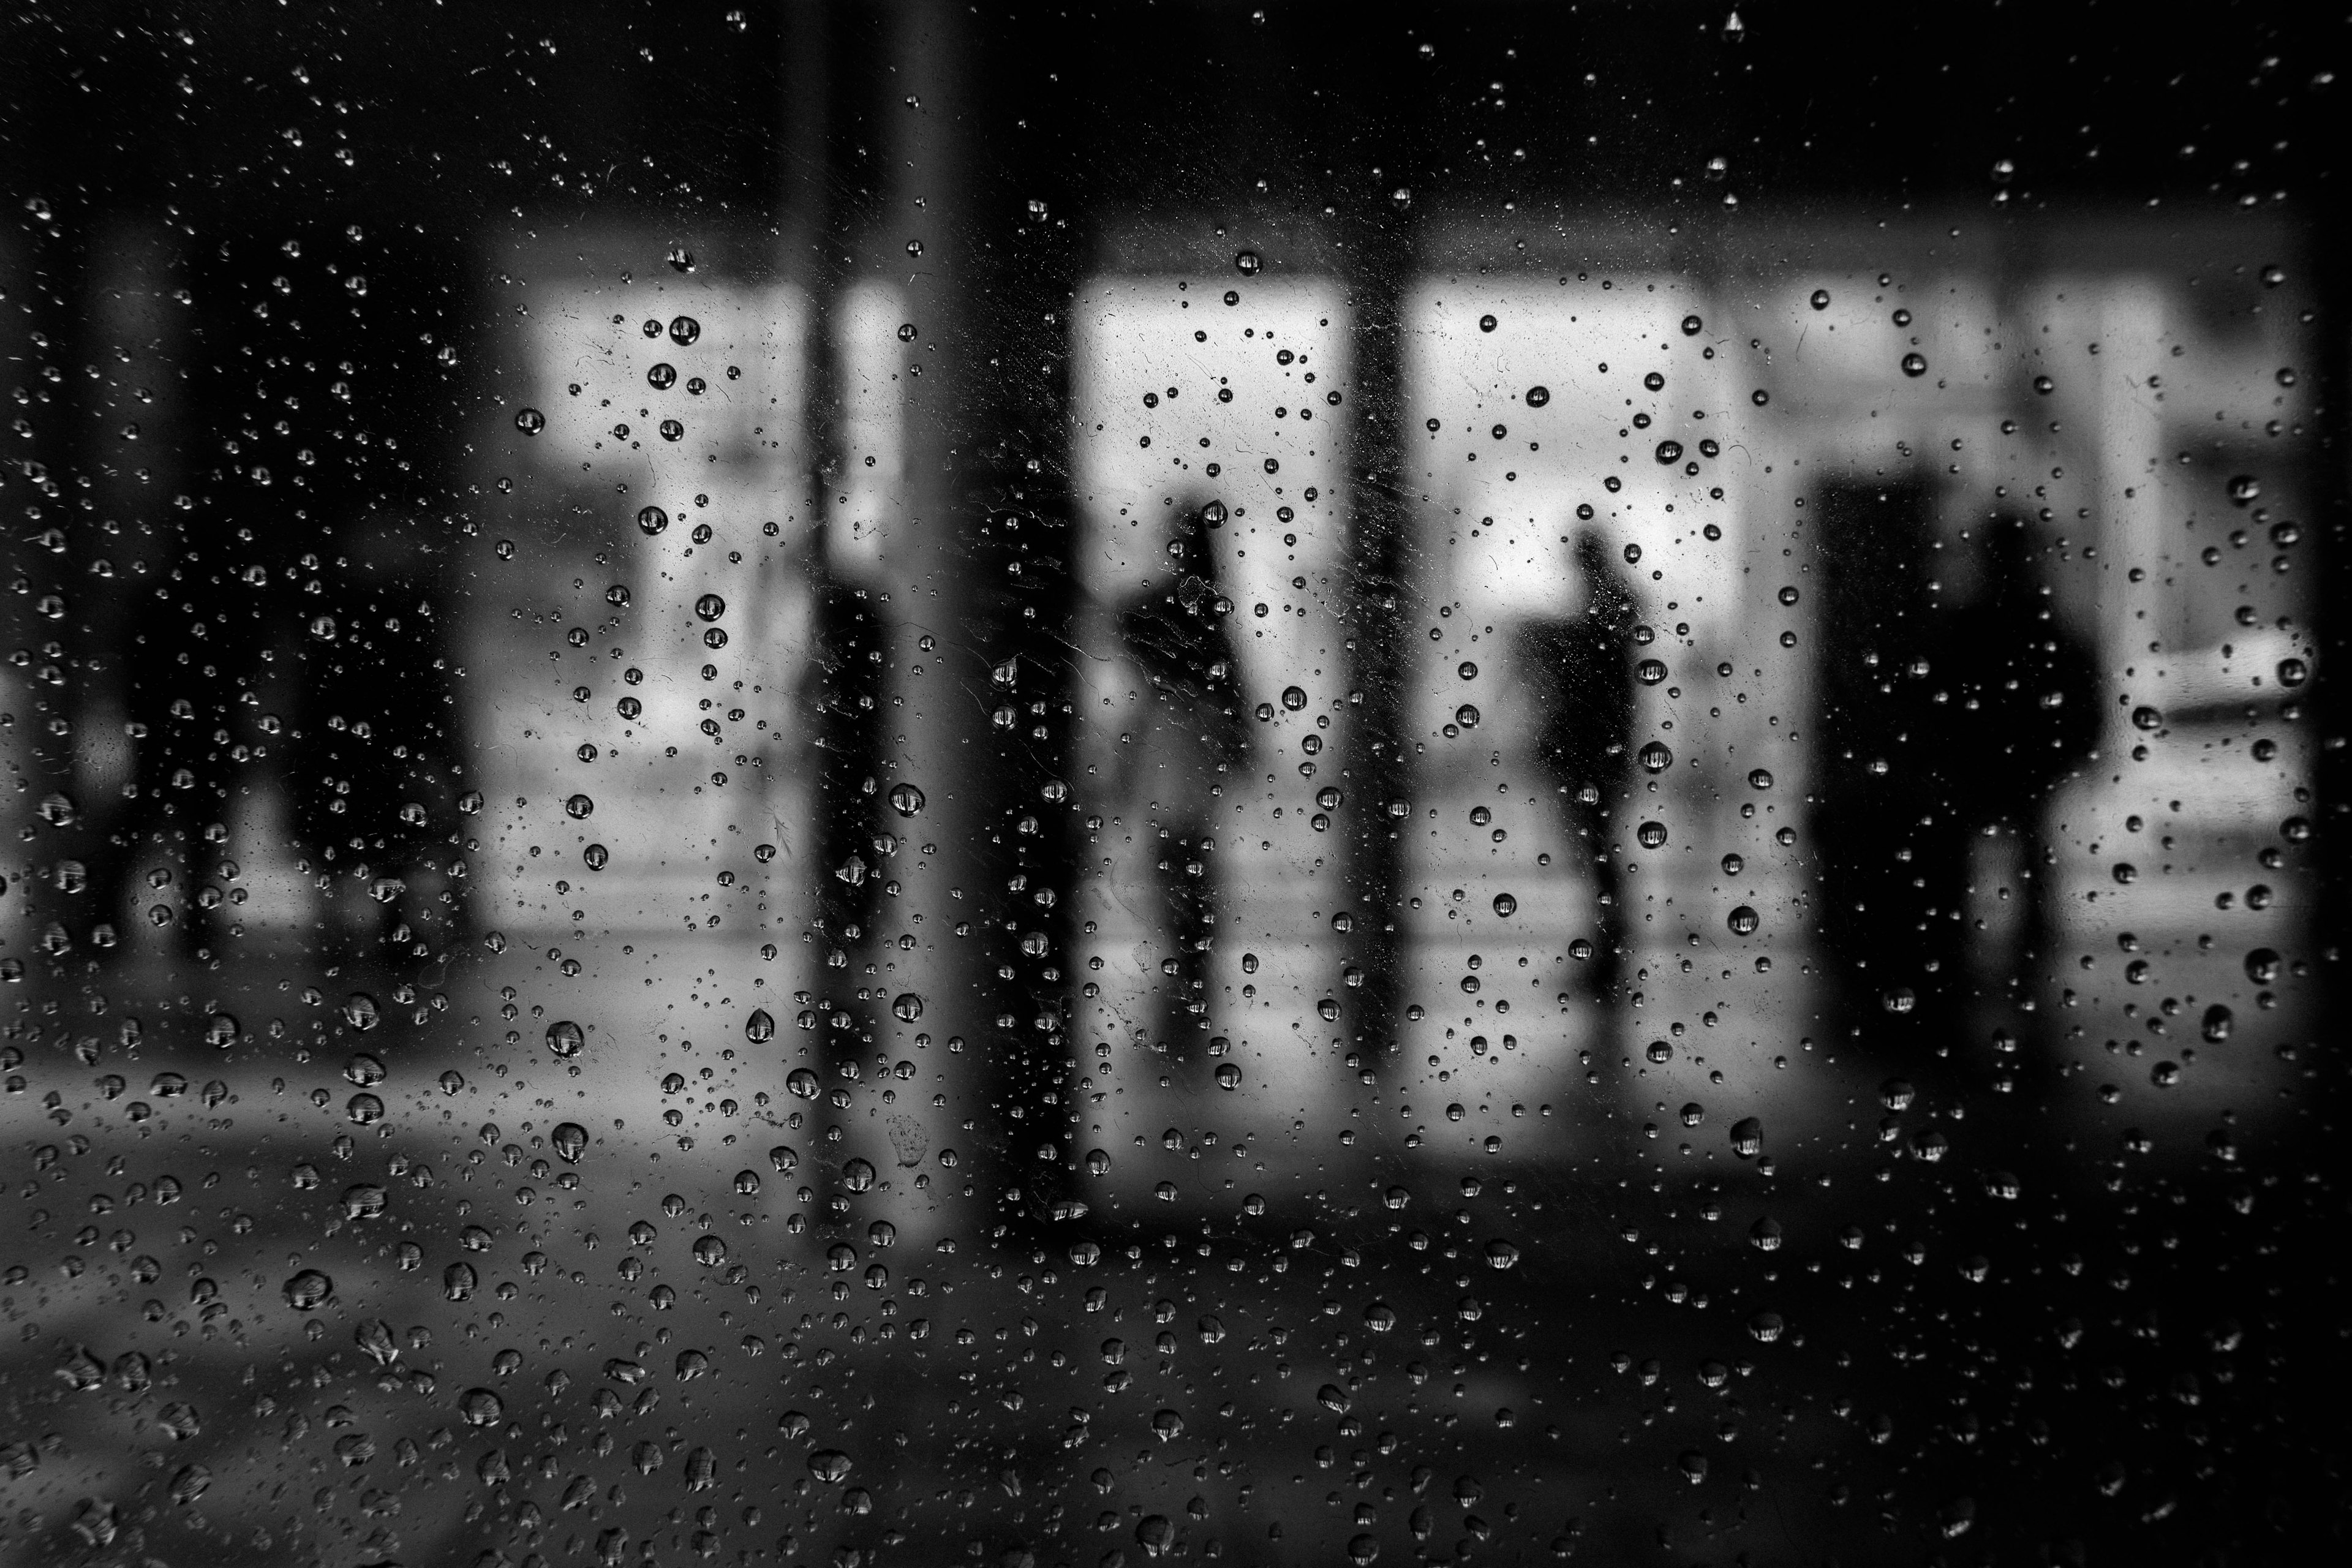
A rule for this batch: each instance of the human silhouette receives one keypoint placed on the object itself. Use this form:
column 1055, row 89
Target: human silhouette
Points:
column 1178, row 639
column 1579, row 669
column 1945, row 715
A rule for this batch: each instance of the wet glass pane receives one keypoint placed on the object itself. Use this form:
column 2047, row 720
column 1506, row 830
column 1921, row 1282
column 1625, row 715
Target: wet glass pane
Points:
column 909, row 784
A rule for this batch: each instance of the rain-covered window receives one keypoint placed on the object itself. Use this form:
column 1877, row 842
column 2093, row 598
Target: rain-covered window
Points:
column 912, row 783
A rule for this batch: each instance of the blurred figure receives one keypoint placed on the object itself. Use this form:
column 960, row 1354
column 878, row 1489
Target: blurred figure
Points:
column 292, row 649
column 1177, row 638
column 1581, row 671
column 1943, row 723
column 2021, row 693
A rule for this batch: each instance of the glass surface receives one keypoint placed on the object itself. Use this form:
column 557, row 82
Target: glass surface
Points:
column 910, row 784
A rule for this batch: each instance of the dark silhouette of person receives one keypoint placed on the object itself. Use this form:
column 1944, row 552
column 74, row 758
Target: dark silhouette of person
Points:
column 294, row 644
column 2022, row 696
column 1178, row 641
column 1580, row 670
column 1944, row 716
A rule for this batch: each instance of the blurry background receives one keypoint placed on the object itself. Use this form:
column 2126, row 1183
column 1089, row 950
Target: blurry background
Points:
column 893, row 783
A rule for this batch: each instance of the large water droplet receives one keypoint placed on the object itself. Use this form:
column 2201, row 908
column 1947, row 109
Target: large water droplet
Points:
column 308, row 1291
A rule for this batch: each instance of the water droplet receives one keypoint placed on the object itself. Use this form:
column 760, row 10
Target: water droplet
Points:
column 571, row 1140
column 579, row 806
column 1537, row 396
column 529, row 421
column 374, row 1339
column 565, row 1037
column 1743, row 921
column 308, row 1291
column 190, row 1484
column 1915, row 364
column 905, row 800
column 1506, row 905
